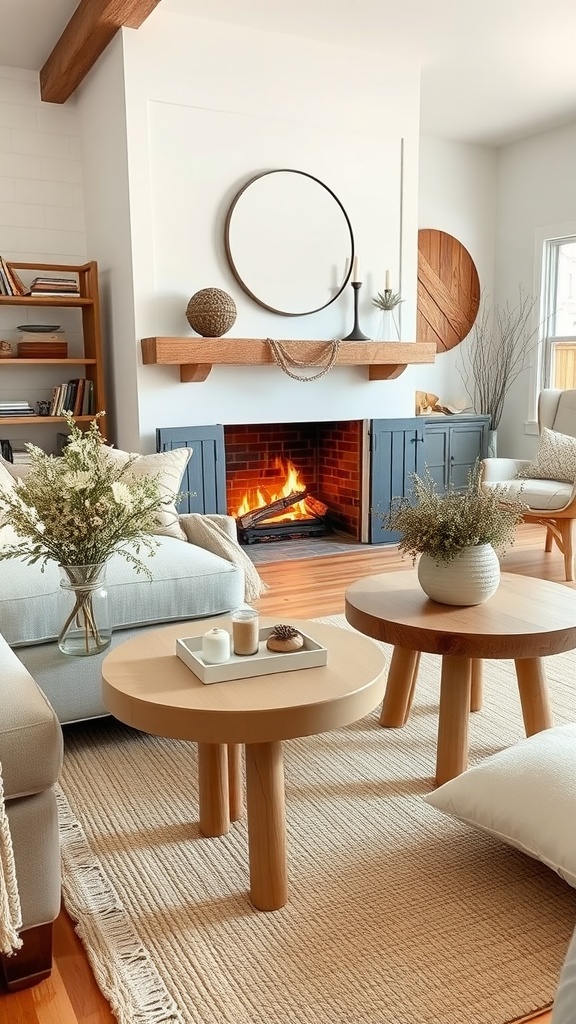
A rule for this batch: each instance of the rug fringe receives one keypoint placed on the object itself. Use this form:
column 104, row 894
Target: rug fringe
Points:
column 108, row 933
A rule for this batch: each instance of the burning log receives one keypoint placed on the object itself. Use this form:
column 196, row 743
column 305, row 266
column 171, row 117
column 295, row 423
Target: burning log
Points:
column 267, row 511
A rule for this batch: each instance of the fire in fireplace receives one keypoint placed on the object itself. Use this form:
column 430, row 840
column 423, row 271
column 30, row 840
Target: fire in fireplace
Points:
column 313, row 469
column 284, row 509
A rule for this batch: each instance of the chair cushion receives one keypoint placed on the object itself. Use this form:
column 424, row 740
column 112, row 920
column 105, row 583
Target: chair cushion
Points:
column 555, row 458
column 525, row 796
column 565, row 418
column 187, row 582
column 540, row 495
column 169, row 468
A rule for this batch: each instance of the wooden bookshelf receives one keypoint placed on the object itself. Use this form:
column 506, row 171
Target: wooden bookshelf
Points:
column 89, row 304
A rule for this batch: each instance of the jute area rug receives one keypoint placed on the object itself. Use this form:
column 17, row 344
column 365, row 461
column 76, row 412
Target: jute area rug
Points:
column 397, row 914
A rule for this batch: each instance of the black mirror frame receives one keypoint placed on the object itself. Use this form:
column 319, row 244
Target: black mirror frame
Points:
column 243, row 285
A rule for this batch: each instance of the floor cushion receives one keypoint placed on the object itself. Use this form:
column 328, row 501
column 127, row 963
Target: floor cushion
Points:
column 525, row 796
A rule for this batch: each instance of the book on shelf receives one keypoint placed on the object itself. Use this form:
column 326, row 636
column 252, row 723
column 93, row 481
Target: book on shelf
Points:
column 76, row 396
column 54, row 286
column 10, row 282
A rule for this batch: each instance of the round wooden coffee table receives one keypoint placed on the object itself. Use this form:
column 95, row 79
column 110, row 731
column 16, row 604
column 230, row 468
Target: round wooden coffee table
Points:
column 148, row 687
column 526, row 619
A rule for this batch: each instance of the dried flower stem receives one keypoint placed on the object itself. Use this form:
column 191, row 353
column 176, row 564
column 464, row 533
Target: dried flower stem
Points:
column 497, row 352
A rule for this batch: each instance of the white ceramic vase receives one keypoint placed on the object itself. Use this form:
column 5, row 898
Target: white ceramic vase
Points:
column 470, row 578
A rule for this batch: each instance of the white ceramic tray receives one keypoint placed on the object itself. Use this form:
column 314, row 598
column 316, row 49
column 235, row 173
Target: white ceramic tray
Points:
column 264, row 662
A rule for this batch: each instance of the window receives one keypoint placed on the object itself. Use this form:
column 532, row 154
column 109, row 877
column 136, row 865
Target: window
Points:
column 559, row 313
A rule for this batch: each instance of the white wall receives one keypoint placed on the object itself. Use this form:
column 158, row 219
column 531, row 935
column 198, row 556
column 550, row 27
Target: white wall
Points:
column 207, row 105
column 41, row 219
column 458, row 195
column 536, row 196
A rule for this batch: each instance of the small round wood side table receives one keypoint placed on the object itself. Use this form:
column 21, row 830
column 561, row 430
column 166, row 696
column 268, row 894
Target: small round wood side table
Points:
column 148, row 687
column 525, row 620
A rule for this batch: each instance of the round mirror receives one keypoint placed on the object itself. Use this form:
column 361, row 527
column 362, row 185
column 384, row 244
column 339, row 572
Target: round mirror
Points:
column 289, row 242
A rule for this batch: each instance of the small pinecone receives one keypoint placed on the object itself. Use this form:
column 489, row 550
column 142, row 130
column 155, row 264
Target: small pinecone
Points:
column 282, row 632
column 284, row 639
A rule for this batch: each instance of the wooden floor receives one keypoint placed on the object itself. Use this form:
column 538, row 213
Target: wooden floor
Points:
column 306, row 588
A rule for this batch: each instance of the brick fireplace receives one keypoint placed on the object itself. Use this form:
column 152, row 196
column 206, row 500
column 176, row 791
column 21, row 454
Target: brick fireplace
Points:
column 327, row 457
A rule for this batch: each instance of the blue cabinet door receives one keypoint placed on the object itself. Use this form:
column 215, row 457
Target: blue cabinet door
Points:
column 205, row 475
column 452, row 446
column 396, row 453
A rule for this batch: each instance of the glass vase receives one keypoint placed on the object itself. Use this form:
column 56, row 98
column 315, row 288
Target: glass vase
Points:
column 83, row 610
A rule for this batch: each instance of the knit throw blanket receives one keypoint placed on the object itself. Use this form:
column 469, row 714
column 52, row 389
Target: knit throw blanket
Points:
column 214, row 533
column 10, row 913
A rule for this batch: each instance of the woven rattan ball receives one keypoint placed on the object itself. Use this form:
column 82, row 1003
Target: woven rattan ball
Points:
column 211, row 312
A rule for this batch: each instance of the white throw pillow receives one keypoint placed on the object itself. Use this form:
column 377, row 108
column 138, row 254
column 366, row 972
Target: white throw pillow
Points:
column 169, row 468
column 555, row 458
column 525, row 796
column 8, row 534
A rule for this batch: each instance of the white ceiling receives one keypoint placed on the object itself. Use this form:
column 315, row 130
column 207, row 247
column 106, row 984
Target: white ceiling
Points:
column 492, row 70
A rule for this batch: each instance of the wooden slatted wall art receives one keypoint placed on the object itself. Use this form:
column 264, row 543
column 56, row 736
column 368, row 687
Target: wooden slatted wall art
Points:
column 448, row 290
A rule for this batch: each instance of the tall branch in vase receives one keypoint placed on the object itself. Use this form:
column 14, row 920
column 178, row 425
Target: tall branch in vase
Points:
column 496, row 352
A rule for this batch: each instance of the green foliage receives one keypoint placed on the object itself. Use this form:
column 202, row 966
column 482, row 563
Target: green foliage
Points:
column 442, row 525
column 387, row 299
column 80, row 508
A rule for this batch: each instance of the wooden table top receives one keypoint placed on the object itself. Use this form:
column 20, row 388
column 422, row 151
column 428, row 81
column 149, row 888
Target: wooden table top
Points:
column 525, row 618
column 146, row 685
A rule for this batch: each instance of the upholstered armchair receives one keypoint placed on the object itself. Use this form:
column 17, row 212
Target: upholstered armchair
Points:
column 547, row 484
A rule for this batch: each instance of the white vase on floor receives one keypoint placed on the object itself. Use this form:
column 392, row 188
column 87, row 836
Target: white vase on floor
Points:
column 470, row 578
column 492, row 446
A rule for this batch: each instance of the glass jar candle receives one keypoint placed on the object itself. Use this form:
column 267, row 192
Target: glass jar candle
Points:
column 245, row 631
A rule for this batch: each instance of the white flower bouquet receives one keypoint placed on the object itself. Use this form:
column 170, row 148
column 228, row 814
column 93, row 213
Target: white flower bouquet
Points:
column 77, row 510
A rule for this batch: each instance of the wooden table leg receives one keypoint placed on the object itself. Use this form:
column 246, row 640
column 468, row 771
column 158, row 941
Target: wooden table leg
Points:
column 213, row 789
column 399, row 687
column 476, row 685
column 235, row 781
column 266, row 825
column 533, row 695
column 455, row 686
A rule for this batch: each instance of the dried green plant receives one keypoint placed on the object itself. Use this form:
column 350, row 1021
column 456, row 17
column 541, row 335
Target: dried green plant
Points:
column 496, row 352
column 443, row 525
column 387, row 299
column 81, row 507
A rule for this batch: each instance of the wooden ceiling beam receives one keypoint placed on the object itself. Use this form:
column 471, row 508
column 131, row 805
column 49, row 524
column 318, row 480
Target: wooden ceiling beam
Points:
column 92, row 26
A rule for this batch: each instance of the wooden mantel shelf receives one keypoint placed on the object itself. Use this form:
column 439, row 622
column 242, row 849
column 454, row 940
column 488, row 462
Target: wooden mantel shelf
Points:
column 197, row 356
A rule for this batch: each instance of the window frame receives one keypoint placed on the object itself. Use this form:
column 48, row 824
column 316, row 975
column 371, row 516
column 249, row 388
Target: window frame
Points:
column 549, row 305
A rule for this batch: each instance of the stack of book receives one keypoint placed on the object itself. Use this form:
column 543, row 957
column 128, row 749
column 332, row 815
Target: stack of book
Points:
column 77, row 397
column 16, row 408
column 10, row 282
column 45, row 285
column 20, row 454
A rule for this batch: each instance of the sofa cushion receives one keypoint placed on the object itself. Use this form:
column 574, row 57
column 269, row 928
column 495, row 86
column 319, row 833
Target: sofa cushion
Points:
column 187, row 582
column 30, row 735
column 525, row 796
column 169, row 468
column 8, row 534
column 555, row 458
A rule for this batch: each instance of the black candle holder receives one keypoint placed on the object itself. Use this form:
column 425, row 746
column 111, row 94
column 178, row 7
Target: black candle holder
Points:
column 356, row 333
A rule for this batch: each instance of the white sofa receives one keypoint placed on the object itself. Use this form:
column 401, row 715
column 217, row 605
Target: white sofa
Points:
column 188, row 582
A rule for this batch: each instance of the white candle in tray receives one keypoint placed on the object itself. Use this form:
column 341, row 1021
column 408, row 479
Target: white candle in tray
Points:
column 216, row 646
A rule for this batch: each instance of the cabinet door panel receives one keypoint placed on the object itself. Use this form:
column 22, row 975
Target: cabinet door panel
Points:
column 436, row 443
column 467, row 444
column 396, row 454
column 205, row 475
